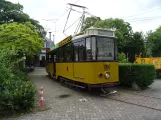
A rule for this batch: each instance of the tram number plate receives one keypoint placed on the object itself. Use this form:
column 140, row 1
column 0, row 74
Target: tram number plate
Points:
column 106, row 67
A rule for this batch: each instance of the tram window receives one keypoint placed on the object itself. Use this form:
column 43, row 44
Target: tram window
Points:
column 50, row 59
column 93, row 48
column 57, row 56
column 116, row 50
column 68, row 53
column 76, row 46
column 105, row 47
column 61, row 56
column 54, row 58
column 81, row 50
column 88, row 49
column 47, row 58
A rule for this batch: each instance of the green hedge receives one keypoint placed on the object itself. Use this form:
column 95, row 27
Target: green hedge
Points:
column 142, row 74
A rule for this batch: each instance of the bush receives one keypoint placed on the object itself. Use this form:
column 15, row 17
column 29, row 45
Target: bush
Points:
column 141, row 74
column 122, row 58
column 17, row 93
column 17, row 96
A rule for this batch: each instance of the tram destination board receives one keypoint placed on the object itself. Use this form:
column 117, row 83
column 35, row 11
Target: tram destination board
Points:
column 66, row 40
column 106, row 32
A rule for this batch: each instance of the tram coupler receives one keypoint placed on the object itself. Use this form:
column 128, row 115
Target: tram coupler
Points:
column 107, row 92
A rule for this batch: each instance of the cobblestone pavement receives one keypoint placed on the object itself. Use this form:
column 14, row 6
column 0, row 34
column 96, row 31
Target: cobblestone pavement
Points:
column 68, row 104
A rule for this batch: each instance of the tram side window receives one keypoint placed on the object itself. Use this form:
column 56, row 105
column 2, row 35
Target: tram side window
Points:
column 116, row 49
column 47, row 58
column 68, row 53
column 50, row 58
column 61, row 56
column 76, row 47
column 81, row 50
column 57, row 56
column 54, row 58
column 93, row 48
column 88, row 49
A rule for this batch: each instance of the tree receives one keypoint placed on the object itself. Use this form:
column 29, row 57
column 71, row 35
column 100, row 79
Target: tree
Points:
column 148, row 44
column 23, row 36
column 90, row 21
column 10, row 12
column 123, row 30
column 154, row 42
column 135, row 46
column 122, row 58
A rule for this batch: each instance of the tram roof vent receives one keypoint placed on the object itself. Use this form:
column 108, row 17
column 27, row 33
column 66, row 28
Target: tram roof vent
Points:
column 102, row 32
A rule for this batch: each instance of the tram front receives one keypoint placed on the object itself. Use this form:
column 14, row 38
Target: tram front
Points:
column 104, row 58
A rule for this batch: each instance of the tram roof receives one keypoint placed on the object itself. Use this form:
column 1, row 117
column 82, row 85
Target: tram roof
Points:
column 88, row 32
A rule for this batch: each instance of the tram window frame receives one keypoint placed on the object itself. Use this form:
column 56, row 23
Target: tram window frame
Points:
column 47, row 58
column 61, row 54
column 83, row 48
column 50, row 59
column 115, row 49
column 57, row 55
column 54, row 57
column 70, row 53
column 90, row 54
column 107, row 46
column 77, row 43
column 76, row 51
column 94, row 49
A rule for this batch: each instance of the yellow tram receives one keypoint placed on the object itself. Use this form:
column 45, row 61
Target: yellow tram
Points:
column 156, row 61
column 85, row 60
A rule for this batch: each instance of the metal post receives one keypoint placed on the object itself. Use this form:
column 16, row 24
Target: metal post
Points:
column 53, row 40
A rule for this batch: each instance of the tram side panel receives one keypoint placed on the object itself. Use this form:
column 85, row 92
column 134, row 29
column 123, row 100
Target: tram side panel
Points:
column 49, row 69
column 64, row 70
column 89, row 72
column 94, row 72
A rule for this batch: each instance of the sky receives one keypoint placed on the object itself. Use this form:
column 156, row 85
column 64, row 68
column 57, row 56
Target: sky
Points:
column 143, row 15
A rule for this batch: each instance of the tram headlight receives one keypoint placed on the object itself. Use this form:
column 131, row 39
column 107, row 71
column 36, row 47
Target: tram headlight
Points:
column 107, row 75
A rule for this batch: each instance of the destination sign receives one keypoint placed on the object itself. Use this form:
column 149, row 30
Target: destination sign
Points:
column 66, row 40
column 105, row 32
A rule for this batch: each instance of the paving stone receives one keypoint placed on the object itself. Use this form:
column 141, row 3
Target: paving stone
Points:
column 96, row 107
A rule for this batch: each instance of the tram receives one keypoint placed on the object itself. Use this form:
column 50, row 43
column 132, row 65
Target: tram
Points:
column 86, row 60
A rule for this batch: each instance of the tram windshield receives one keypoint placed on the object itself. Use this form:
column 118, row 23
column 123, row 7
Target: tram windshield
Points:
column 105, row 48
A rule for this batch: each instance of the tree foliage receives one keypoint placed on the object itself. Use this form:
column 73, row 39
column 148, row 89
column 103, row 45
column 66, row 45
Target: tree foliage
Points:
column 154, row 42
column 17, row 93
column 10, row 12
column 90, row 21
column 128, row 42
column 135, row 46
column 123, row 30
column 23, row 36
column 122, row 58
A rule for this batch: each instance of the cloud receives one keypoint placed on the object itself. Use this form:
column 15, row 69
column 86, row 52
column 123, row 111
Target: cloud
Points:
column 154, row 3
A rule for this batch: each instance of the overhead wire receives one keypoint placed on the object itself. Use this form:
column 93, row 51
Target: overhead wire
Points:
column 65, row 12
column 145, row 19
column 142, row 13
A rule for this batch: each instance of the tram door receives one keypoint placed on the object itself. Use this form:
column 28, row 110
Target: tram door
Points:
column 54, row 65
